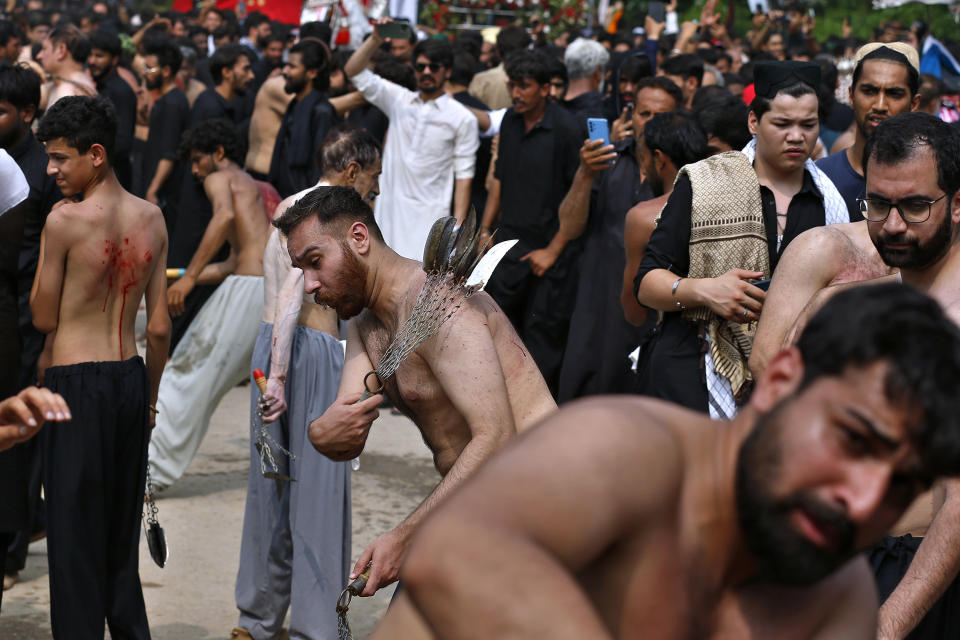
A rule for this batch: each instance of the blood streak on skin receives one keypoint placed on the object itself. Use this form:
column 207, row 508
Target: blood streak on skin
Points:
column 121, row 269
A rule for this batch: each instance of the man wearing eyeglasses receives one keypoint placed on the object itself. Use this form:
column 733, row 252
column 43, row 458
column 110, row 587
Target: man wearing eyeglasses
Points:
column 430, row 154
column 912, row 206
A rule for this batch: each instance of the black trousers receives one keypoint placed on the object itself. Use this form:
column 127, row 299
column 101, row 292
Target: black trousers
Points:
column 94, row 476
column 890, row 558
column 539, row 307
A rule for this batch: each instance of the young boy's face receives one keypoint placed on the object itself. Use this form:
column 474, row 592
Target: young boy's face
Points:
column 73, row 170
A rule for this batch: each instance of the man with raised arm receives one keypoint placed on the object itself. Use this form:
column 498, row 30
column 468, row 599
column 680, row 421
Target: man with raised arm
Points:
column 469, row 388
column 659, row 522
column 214, row 353
column 99, row 255
column 430, row 154
column 298, row 349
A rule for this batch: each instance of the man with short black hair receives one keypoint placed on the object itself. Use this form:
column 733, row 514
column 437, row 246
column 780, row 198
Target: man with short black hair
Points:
column 608, row 182
column 168, row 119
column 724, row 120
column 627, row 518
column 99, row 257
column 699, row 264
column 885, row 83
column 430, row 154
column 686, row 71
column 11, row 41
column 214, row 353
column 490, row 86
column 231, row 69
column 536, row 281
column 307, row 120
column 257, row 29
column 63, row 54
column 102, row 62
column 670, row 141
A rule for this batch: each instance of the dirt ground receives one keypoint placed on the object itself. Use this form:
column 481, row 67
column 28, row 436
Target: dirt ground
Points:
column 192, row 597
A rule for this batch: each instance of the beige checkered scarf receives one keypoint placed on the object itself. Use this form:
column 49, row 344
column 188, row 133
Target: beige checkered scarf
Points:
column 726, row 232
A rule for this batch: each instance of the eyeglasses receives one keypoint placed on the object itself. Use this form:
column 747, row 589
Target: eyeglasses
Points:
column 152, row 69
column 913, row 210
column 422, row 66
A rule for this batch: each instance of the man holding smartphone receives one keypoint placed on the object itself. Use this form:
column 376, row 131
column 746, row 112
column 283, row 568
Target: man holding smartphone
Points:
column 726, row 224
column 431, row 151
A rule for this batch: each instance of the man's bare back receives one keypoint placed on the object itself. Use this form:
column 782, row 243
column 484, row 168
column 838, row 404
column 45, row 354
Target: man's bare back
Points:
column 417, row 392
column 265, row 122
column 250, row 229
column 113, row 245
column 818, row 258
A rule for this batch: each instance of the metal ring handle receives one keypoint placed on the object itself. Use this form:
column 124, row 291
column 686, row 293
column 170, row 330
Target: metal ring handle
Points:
column 366, row 388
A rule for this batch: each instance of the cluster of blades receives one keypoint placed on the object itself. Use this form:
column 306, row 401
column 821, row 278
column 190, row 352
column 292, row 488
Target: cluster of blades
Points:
column 449, row 257
column 453, row 251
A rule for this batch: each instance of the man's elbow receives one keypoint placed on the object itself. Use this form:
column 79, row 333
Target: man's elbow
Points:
column 159, row 328
column 44, row 320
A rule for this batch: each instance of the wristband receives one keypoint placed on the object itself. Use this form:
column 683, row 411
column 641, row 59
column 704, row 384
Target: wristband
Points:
column 674, row 293
column 175, row 273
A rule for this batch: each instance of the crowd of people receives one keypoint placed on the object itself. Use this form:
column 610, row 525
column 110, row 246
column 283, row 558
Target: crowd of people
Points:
column 773, row 450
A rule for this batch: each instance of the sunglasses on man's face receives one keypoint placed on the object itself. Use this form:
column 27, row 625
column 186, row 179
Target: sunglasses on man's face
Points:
column 422, row 66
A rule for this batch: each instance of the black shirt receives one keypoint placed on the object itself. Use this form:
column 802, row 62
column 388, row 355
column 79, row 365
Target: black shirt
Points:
column 306, row 123
column 586, row 105
column 595, row 360
column 673, row 370
column 44, row 193
column 535, row 169
column 124, row 101
column 210, row 105
column 371, row 119
column 168, row 120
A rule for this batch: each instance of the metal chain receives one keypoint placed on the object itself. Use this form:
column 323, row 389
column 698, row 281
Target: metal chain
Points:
column 150, row 504
column 264, row 440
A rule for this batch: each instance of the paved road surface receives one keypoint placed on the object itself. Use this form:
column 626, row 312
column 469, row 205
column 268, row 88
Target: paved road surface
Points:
column 192, row 597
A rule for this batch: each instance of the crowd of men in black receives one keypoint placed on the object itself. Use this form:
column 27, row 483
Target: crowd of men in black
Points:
column 669, row 99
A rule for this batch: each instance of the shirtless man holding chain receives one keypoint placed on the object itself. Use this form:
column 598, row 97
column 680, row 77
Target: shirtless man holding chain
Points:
column 99, row 255
column 469, row 388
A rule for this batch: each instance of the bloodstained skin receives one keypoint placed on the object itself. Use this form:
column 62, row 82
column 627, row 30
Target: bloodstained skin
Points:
column 122, row 268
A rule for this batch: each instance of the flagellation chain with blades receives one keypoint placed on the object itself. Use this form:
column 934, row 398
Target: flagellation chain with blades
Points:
column 449, row 257
column 265, row 440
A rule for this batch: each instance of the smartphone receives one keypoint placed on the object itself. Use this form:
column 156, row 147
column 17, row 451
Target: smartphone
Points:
column 597, row 129
column 762, row 284
column 629, row 108
column 657, row 11
column 395, row 30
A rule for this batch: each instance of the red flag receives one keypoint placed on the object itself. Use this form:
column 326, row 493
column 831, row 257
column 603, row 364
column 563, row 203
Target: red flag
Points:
column 285, row 11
